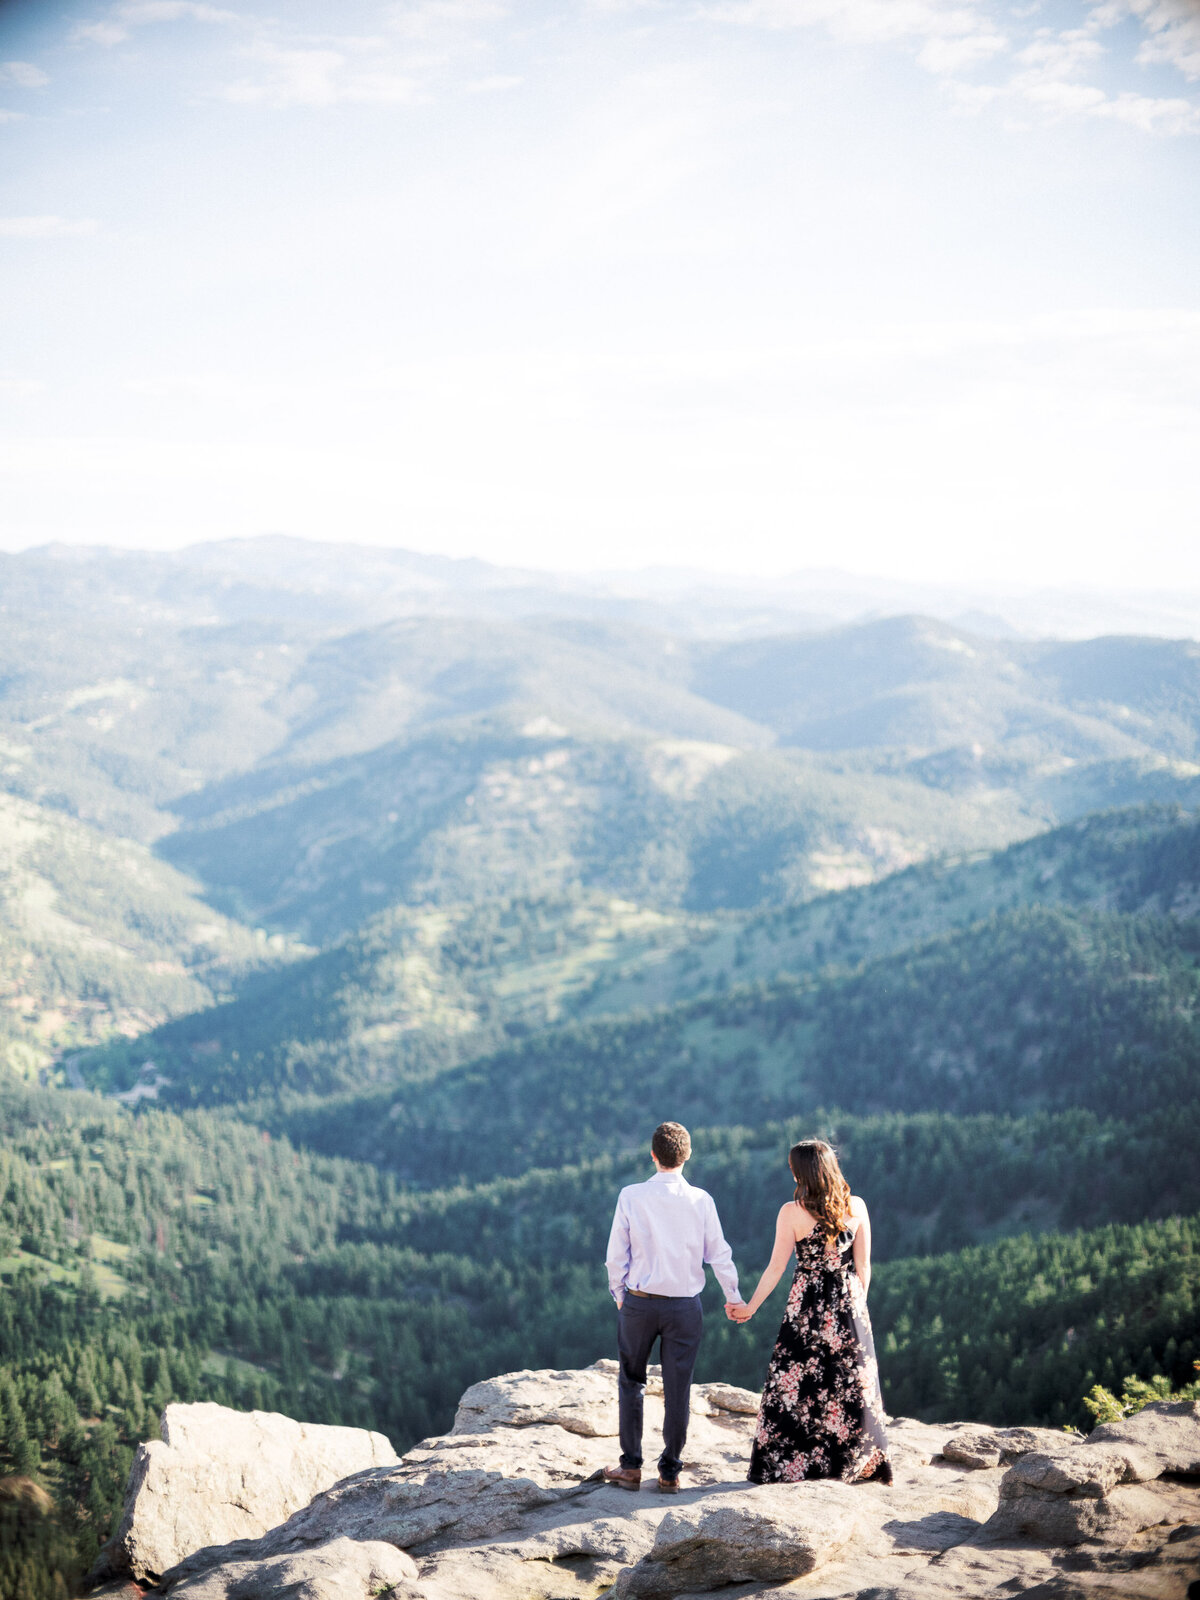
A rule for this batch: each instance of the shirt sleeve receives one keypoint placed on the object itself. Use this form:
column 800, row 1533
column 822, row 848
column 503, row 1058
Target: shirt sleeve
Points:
column 718, row 1255
column 619, row 1255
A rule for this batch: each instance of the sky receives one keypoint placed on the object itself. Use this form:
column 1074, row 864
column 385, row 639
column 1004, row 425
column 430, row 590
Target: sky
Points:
column 905, row 287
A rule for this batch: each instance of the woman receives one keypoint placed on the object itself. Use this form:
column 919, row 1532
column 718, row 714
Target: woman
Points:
column 822, row 1412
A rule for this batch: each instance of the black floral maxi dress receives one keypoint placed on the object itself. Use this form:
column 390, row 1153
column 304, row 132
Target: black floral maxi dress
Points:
column 822, row 1411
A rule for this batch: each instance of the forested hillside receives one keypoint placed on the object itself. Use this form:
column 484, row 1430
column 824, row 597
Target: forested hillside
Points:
column 1138, row 859
column 1037, row 1010
column 150, row 1258
column 398, row 934
column 475, row 812
column 415, row 990
column 418, row 989
column 98, row 937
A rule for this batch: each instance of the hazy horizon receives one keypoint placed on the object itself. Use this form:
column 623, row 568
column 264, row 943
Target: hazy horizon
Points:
column 689, row 600
column 651, row 570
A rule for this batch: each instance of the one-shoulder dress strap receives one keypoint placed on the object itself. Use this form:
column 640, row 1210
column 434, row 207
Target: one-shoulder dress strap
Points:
column 846, row 1238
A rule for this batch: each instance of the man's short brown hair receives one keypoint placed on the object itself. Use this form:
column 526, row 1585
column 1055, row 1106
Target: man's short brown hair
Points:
column 672, row 1143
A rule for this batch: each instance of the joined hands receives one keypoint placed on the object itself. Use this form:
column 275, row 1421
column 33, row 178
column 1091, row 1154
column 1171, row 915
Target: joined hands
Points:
column 738, row 1311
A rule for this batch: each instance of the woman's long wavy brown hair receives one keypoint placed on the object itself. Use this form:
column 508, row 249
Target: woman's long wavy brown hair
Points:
column 820, row 1187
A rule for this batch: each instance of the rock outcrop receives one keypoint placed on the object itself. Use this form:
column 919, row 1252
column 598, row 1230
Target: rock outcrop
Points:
column 993, row 1447
column 742, row 1537
column 509, row 1505
column 219, row 1475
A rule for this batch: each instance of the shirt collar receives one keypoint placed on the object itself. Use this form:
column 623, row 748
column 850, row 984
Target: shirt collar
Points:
column 668, row 1177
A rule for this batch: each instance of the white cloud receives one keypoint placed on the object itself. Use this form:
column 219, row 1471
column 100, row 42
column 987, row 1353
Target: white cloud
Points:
column 44, row 227
column 1153, row 115
column 1172, row 29
column 1047, row 72
column 11, row 116
column 433, row 19
column 1053, row 74
column 1059, row 96
column 419, row 43
column 1059, row 55
column 863, row 21
column 951, row 36
column 323, row 77
column 24, row 74
column 496, row 84
column 1174, row 34
column 116, row 26
column 137, row 12
column 947, row 57
column 106, row 33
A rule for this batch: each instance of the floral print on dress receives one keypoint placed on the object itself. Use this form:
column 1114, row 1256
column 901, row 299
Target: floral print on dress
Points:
column 822, row 1411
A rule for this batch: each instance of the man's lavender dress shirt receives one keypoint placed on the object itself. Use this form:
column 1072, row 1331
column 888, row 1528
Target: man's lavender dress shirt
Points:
column 663, row 1233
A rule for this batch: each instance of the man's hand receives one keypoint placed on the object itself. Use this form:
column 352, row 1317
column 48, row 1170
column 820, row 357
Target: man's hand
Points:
column 738, row 1311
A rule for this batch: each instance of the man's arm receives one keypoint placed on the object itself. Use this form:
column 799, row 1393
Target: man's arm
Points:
column 719, row 1256
column 619, row 1255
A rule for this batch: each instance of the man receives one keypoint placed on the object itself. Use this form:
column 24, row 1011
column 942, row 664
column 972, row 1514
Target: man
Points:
column 663, row 1233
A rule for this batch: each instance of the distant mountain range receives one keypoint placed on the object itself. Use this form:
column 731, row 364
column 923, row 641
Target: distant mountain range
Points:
column 259, row 714
column 341, row 585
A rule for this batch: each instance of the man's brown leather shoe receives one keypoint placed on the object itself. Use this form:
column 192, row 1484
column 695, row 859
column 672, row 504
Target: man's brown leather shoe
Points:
column 624, row 1477
column 667, row 1485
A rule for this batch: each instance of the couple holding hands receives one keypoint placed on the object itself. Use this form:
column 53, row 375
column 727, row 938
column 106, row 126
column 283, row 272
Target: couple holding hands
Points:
column 822, row 1412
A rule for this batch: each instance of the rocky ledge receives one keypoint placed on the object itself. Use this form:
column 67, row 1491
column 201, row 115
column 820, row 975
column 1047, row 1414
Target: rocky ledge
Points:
column 508, row 1506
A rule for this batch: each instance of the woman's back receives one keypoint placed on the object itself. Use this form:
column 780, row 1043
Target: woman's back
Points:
column 804, row 1225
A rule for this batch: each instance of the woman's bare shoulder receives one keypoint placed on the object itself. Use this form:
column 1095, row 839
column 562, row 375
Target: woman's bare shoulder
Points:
column 794, row 1216
column 858, row 1206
